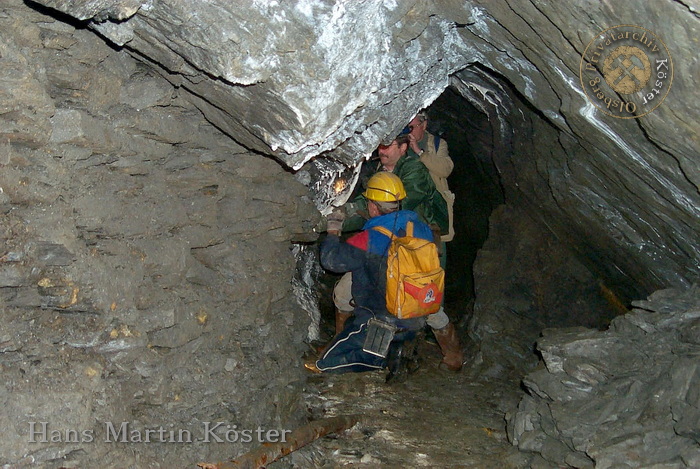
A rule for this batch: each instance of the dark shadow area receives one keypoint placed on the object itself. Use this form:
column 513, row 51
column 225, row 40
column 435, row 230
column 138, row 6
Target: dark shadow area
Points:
column 467, row 132
column 59, row 15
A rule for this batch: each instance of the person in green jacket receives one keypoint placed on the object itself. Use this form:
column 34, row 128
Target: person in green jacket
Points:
column 422, row 197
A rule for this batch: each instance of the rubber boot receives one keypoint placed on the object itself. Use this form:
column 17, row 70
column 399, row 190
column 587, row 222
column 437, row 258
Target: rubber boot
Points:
column 396, row 363
column 412, row 359
column 451, row 350
column 340, row 318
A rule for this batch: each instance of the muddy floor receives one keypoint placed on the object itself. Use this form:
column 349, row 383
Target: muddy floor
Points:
column 435, row 419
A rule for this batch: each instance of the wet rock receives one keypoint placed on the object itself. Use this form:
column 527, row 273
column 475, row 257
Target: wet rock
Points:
column 20, row 84
column 4, row 198
column 176, row 336
column 640, row 401
column 199, row 274
column 12, row 276
column 145, row 93
column 52, row 254
column 68, row 126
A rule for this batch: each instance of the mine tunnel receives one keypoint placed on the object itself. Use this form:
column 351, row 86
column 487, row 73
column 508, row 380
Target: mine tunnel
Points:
column 164, row 167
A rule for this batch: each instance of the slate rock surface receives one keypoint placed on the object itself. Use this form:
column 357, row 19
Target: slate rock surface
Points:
column 145, row 267
column 623, row 397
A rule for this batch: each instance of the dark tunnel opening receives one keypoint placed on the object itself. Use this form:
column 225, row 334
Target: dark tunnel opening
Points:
column 467, row 131
column 469, row 135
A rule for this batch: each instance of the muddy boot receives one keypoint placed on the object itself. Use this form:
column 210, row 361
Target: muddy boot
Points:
column 411, row 354
column 340, row 318
column 451, row 350
column 396, row 363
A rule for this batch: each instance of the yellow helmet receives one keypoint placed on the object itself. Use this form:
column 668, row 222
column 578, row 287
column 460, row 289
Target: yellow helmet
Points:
column 385, row 187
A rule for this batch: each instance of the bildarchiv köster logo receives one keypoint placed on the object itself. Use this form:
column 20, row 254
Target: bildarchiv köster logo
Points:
column 626, row 71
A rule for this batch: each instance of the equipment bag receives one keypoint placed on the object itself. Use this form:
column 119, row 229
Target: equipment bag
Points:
column 415, row 282
column 379, row 337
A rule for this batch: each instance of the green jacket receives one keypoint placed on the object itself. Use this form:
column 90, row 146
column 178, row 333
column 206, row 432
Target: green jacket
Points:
column 421, row 196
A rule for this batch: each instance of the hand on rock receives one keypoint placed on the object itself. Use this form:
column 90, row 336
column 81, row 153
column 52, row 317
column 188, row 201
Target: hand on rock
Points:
column 335, row 219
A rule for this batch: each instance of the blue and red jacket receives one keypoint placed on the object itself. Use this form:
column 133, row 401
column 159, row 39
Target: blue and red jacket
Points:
column 364, row 254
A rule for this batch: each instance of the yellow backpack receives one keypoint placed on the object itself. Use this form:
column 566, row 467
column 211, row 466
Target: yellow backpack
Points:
column 415, row 282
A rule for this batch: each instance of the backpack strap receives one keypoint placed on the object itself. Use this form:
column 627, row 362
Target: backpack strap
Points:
column 409, row 229
column 384, row 231
column 437, row 142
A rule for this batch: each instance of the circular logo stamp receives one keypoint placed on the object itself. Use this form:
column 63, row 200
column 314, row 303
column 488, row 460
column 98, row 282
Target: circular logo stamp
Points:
column 626, row 71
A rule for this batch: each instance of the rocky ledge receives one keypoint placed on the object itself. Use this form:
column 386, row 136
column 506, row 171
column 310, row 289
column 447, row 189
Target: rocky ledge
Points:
column 626, row 397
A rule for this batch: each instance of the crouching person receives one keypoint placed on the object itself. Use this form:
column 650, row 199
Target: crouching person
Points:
column 371, row 327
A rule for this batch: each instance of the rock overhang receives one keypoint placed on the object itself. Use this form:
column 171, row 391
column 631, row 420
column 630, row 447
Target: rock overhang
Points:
column 318, row 84
column 292, row 79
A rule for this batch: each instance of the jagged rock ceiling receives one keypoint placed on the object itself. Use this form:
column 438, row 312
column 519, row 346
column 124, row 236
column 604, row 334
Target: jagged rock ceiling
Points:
column 294, row 79
column 301, row 79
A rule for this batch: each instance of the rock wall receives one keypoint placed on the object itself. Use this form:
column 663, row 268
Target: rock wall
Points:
column 145, row 268
column 527, row 280
column 626, row 397
column 597, row 395
column 128, row 223
column 600, row 200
